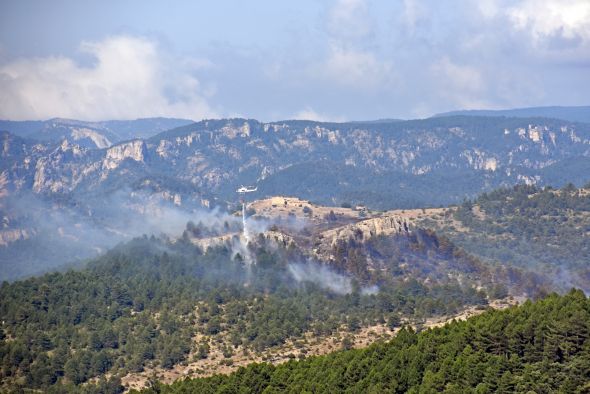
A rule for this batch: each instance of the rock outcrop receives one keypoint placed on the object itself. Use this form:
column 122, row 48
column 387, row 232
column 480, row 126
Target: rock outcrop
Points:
column 361, row 231
column 135, row 150
column 9, row 236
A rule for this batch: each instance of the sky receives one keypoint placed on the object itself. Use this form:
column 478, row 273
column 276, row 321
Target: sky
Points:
column 269, row 60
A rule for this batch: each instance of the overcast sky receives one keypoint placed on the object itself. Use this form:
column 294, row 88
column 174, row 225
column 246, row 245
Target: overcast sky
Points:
column 270, row 60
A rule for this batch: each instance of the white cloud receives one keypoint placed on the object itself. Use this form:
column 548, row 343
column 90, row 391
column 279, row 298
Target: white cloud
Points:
column 462, row 84
column 356, row 69
column 546, row 18
column 309, row 114
column 349, row 19
column 350, row 59
column 460, row 76
column 413, row 13
column 488, row 8
column 361, row 58
column 129, row 78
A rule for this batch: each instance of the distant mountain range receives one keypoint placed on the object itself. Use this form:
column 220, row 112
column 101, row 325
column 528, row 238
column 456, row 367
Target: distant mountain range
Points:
column 90, row 134
column 385, row 165
column 573, row 114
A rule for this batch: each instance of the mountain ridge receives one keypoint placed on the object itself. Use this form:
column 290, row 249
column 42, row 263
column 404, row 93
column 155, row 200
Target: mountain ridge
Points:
column 412, row 147
column 570, row 113
column 90, row 134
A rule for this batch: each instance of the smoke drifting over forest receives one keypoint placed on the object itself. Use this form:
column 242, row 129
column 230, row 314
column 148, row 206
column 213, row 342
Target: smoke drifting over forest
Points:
column 62, row 233
column 322, row 276
column 326, row 278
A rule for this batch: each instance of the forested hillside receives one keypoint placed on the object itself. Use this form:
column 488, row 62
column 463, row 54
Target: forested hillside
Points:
column 542, row 229
column 143, row 304
column 538, row 347
column 153, row 304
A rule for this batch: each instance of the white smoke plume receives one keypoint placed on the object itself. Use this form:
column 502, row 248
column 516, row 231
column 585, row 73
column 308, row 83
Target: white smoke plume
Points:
column 322, row 276
column 63, row 234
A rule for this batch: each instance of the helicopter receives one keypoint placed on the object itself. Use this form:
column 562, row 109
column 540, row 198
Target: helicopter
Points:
column 244, row 189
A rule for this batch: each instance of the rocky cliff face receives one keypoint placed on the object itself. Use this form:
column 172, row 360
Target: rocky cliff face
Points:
column 9, row 236
column 99, row 140
column 359, row 232
column 134, row 150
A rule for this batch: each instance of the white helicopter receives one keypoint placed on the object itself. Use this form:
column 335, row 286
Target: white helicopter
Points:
column 244, row 189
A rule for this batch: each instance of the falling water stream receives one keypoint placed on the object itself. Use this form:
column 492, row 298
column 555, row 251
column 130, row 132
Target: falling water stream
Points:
column 247, row 255
column 245, row 231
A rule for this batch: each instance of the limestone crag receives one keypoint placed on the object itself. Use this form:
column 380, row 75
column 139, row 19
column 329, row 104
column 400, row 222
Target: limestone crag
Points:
column 99, row 140
column 279, row 237
column 211, row 242
column 9, row 236
column 135, row 150
column 360, row 231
